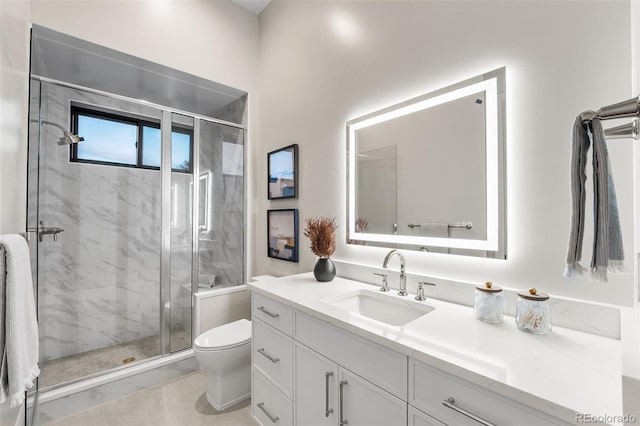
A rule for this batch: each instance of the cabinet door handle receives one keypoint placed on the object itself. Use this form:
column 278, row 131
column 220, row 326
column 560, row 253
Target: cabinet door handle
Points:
column 327, row 410
column 269, row 357
column 450, row 403
column 263, row 309
column 264, row 410
column 343, row 421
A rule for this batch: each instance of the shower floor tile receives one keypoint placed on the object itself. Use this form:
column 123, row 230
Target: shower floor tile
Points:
column 181, row 402
column 76, row 366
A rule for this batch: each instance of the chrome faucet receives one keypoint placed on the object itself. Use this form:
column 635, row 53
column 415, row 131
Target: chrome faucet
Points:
column 403, row 276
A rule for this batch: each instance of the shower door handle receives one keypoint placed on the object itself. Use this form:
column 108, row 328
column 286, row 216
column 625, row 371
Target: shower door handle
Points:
column 42, row 230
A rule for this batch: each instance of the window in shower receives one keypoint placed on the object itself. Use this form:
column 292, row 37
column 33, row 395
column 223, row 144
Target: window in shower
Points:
column 119, row 140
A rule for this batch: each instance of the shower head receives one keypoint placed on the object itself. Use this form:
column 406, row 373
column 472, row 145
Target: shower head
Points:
column 68, row 138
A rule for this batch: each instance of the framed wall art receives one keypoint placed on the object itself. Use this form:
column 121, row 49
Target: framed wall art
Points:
column 283, row 172
column 282, row 234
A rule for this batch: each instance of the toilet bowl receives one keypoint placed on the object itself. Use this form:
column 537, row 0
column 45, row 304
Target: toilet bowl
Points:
column 224, row 352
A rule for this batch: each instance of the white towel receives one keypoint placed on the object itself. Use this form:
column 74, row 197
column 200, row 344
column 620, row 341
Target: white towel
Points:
column 19, row 329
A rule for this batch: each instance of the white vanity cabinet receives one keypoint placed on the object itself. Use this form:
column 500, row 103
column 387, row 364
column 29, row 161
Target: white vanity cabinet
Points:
column 308, row 372
column 330, row 395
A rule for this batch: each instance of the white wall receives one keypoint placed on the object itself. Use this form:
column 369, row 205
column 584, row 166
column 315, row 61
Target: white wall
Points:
column 324, row 63
column 14, row 89
column 14, row 80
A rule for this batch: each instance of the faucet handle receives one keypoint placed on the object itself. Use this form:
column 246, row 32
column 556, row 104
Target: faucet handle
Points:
column 420, row 295
column 385, row 285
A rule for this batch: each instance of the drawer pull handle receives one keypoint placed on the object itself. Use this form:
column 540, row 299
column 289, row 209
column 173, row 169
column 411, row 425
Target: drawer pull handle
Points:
column 343, row 421
column 450, row 403
column 269, row 357
column 264, row 410
column 263, row 309
column 327, row 410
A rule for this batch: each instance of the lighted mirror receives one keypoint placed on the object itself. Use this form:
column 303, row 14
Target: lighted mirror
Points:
column 428, row 174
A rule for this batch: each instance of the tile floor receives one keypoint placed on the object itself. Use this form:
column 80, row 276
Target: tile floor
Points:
column 99, row 360
column 177, row 403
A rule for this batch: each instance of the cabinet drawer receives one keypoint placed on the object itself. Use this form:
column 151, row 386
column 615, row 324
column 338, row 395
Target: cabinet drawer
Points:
column 272, row 312
column 268, row 405
column 429, row 388
column 273, row 355
column 379, row 365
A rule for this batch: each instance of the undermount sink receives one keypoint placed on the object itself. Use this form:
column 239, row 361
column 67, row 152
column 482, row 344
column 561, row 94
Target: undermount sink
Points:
column 381, row 307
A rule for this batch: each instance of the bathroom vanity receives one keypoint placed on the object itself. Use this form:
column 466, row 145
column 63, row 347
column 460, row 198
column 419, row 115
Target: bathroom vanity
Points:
column 317, row 361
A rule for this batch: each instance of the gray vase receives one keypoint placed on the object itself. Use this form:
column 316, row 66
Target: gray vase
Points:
column 324, row 270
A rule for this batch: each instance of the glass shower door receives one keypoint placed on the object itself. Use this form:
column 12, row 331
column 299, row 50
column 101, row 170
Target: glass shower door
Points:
column 98, row 245
column 221, row 201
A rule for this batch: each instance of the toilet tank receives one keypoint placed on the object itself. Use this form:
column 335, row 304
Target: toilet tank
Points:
column 220, row 306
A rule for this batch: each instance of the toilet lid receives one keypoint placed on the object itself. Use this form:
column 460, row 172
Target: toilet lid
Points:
column 225, row 336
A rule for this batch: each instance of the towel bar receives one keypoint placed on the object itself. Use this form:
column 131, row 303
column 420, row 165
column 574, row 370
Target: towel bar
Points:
column 462, row 225
column 625, row 131
column 628, row 108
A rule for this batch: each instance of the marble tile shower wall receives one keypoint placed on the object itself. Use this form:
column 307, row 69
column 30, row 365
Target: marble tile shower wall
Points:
column 99, row 282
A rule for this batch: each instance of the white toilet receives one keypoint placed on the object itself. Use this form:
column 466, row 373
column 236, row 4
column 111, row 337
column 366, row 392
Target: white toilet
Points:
column 224, row 352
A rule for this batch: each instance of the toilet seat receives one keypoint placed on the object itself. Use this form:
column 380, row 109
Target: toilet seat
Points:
column 226, row 336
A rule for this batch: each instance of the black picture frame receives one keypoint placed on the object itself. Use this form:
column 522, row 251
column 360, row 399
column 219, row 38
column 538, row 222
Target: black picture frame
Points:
column 282, row 168
column 282, row 234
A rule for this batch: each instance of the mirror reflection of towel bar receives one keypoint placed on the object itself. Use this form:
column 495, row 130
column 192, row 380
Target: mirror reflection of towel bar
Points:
column 461, row 225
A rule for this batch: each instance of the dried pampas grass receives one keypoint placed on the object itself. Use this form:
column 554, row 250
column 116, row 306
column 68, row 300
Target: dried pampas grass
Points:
column 322, row 233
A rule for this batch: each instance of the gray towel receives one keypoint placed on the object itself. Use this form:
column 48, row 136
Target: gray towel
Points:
column 608, row 254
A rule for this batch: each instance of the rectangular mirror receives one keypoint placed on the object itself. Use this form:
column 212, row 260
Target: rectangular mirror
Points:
column 428, row 174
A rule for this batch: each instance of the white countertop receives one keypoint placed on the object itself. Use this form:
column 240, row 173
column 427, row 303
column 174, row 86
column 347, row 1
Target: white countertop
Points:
column 562, row 373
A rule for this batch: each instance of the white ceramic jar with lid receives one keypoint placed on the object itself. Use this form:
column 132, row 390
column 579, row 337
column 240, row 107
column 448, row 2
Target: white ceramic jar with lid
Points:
column 489, row 303
column 533, row 313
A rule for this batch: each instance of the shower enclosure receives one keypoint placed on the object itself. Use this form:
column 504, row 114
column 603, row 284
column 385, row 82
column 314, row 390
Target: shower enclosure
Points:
column 127, row 224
